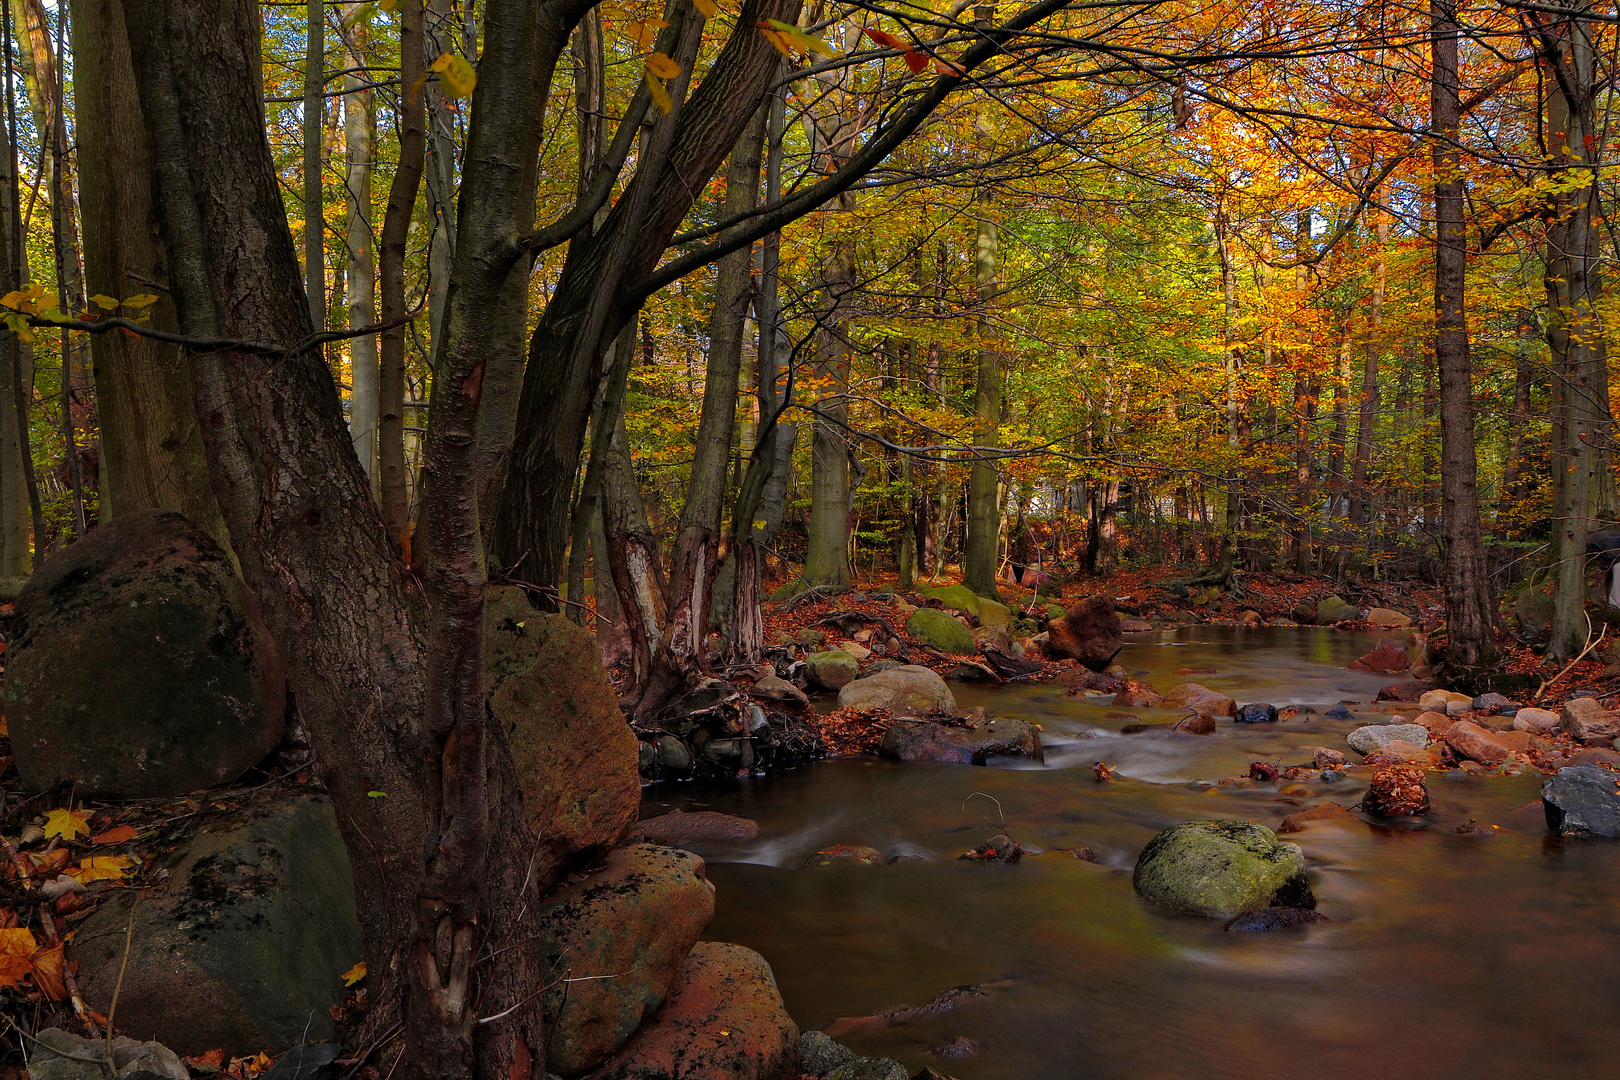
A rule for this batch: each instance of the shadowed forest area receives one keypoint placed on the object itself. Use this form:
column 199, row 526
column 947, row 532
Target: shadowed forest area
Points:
column 498, row 497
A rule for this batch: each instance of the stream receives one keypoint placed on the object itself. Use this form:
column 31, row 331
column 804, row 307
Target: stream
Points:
column 1448, row 956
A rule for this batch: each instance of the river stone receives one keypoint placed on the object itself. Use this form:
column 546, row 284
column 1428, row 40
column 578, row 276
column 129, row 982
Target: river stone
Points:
column 1277, row 918
column 723, row 1020
column 1582, row 800
column 1383, row 659
column 1222, row 869
column 1364, row 740
column 1088, row 632
column 1202, row 698
column 1535, row 721
column 1138, row 696
column 681, row 827
column 992, row 613
column 138, row 665
column 1410, row 690
column 245, row 947
column 1396, row 791
column 820, row 1053
column 859, row 854
column 833, row 669
column 1259, row 712
column 1468, row 740
column 636, row 918
column 933, row 627
column 867, row 1068
column 1007, row 738
column 909, row 688
column 1588, row 722
column 54, row 1054
column 1388, row 618
column 573, row 752
column 776, row 688
column 929, row 742
column 1437, row 700
column 1336, row 609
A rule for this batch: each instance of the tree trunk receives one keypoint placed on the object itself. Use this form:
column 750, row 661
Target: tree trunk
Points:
column 1470, row 622
column 314, row 205
column 984, row 480
column 20, row 512
column 359, row 135
column 1367, row 415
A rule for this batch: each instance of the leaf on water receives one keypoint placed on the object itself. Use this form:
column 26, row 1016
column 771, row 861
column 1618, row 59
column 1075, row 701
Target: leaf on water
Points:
column 662, row 66
column 67, row 824
column 354, row 974
column 660, row 96
column 102, row 868
column 1102, row 772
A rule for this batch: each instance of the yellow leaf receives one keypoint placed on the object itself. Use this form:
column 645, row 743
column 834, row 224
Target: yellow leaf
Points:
column 662, row 66
column 103, row 301
column 707, row 8
column 777, row 39
column 142, row 300
column 16, row 946
column 102, row 867
column 801, row 40
column 12, row 299
column 660, row 95
column 67, row 823
column 456, row 75
column 389, row 6
column 354, row 974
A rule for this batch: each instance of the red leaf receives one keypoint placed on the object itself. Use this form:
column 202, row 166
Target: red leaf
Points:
column 915, row 60
column 886, row 39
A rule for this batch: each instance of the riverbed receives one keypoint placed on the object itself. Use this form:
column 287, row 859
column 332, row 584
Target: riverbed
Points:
column 1469, row 956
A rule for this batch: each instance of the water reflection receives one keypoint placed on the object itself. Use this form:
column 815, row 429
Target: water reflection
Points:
column 1449, row 956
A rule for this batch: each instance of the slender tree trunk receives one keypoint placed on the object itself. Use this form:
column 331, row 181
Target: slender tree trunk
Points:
column 359, row 135
column 439, row 167
column 1470, row 621
column 314, row 117
column 21, row 355
column 1367, row 415
column 1510, row 500
column 984, row 479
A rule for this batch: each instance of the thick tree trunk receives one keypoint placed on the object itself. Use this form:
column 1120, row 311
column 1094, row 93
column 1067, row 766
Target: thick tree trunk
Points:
column 1470, row 621
column 826, row 559
column 359, row 135
column 20, row 513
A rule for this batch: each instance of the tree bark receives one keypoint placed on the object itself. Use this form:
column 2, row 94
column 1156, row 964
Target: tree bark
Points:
column 314, row 204
column 359, row 137
column 1367, row 414
column 984, row 479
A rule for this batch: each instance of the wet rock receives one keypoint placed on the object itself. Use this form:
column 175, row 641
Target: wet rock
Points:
column 1582, row 800
column 138, row 665
column 811, row 638
column 955, row 1049
column 775, row 688
column 1437, row 700
column 973, row 673
column 1401, row 752
column 907, row 689
column 867, row 1068
column 1397, row 791
column 1008, row 738
column 1088, row 632
column 636, row 917
column 1257, row 712
column 1221, row 869
column 1277, row 918
column 1437, row 723
column 245, row 947
column 1325, row 758
column 681, row 827
column 832, row 670
column 928, row 742
column 1138, row 696
column 1202, row 698
column 1469, row 740
column 1588, row 722
column 574, row 755
column 54, row 1054
column 1364, row 740
column 820, row 1053
column 723, row 1018
column 1382, row 659
column 1477, row 828
column 1339, row 712
column 1336, row 609
column 843, row 853
column 1388, row 618
column 673, row 755
column 1496, row 703
column 1535, row 721
column 999, row 848
column 933, row 627
column 1294, row 823
column 1412, row 690
column 1195, row 671
column 1199, row 723
column 1129, row 625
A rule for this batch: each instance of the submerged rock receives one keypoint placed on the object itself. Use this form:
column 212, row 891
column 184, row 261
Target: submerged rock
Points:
column 999, row 848
column 1277, row 918
column 1201, row 698
column 929, row 742
column 680, row 827
column 1221, row 869
column 1294, row 823
column 1258, row 712
column 138, row 665
column 1382, row 659
column 1339, row 712
column 1583, row 800
column 844, row 853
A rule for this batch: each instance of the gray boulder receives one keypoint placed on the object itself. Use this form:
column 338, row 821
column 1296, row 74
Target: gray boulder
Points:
column 1222, row 869
column 246, row 947
column 833, row 669
column 820, row 1053
column 932, row 626
column 1582, row 800
column 1364, row 740
column 867, row 1068
column 909, row 688
column 54, row 1054
column 138, row 665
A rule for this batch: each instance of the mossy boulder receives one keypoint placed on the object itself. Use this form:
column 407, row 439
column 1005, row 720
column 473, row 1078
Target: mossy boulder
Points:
column 833, row 669
column 933, row 627
column 574, row 753
column 1336, row 609
column 959, row 597
column 1222, row 869
column 995, row 615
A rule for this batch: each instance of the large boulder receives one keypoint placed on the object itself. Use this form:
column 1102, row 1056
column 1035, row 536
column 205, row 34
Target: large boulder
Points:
column 958, row 597
column 244, row 949
column 932, row 626
column 929, row 742
column 723, row 1020
column 833, row 669
column 1008, row 738
column 1088, row 632
column 1336, row 609
column 138, row 665
column 1388, row 618
column 1588, row 722
column 994, row 614
column 54, row 1054
column 574, row 754
column 1202, row 698
column 1583, row 800
column 909, row 688
column 1222, row 869
column 634, row 919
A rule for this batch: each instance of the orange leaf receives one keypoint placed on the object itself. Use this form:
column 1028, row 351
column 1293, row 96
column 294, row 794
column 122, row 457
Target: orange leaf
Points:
column 777, row 39
column 213, row 1059
column 102, row 867
column 886, row 39
column 16, row 946
column 915, row 60
column 945, row 67
column 707, row 8
column 47, row 965
column 116, row 836
column 354, row 974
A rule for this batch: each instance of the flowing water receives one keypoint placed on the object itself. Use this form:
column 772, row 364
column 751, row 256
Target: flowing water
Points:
column 1448, row 956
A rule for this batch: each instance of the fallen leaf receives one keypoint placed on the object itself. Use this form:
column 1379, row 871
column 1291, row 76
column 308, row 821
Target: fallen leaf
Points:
column 47, row 971
column 67, row 823
column 707, row 8
column 102, row 867
column 211, row 1061
column 16, row 946
column 354, row 974
column 1102, row 772
column 116, row 836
